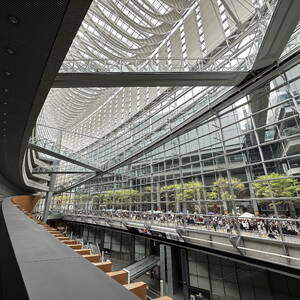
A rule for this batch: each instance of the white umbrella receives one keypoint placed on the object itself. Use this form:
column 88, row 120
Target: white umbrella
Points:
column 246, row 215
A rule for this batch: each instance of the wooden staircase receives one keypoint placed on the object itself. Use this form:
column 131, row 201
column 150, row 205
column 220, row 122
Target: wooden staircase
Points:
column 121, row 276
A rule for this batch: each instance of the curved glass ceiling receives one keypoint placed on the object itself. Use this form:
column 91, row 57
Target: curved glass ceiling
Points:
column 118, row 30
column 111, row 30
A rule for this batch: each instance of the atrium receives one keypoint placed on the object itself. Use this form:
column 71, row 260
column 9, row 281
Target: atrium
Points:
column 150, row 149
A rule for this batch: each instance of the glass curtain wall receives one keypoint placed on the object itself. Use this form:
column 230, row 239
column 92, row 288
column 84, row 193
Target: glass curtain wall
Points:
column 245, row 158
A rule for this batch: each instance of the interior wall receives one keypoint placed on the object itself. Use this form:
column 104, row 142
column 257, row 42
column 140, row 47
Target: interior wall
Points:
column 225, row 279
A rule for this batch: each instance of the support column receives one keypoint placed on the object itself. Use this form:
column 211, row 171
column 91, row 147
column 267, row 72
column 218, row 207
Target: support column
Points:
column 185, row 274
column 252, row 192
column 177, row 203
column 158, row 195
column 49, row 194
column 163, row 267
column 132, row 249
column 152, row 187
column 169, row 268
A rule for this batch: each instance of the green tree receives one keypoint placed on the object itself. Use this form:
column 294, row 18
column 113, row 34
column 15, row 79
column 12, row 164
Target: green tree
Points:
column 170, row 193
column 107, row 198
column 222, row 188
column 280, row 187
column 187, row 191
column 226, row 190
column 120, row 197
column 96, row 200
column 127, row 196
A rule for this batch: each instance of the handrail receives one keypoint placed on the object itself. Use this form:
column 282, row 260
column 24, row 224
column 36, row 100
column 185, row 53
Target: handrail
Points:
column 35, row 265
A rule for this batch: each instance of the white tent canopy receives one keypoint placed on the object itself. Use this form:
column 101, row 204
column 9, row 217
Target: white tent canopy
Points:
column 246, row 215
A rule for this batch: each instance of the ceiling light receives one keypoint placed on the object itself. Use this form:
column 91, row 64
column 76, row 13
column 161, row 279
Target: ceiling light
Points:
column 13, row 19
column 10, row 51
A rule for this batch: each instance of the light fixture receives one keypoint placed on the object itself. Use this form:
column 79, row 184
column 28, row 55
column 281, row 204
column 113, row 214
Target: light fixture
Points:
column 7, row 73
column 10, row 51
column 5, row 90
column 13, row 19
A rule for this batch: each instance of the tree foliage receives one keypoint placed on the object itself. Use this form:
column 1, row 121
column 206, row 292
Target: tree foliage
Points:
column 61, row 200
column 221, row 189
column 280, row 186
column 186, row 191
column 122, row 196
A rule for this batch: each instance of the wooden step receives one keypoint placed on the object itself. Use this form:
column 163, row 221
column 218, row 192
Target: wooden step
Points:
column 120, row 276
column 63, row 238
column 83, row 251
column 42, row 223
column 58, row 235
column 92, row 257
column 75, row 246
column 49, row 228
column 104, row 266
column 71, row 242
column 138, row 288
column 53, row 233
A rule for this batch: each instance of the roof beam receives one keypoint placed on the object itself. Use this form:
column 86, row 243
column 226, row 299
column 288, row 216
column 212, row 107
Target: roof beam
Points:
column 63, row 172
column 282, row 25
column 63, row 157
column 134, row 79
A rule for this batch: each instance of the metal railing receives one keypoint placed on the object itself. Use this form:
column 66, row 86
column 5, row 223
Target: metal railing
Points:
column 268, row 227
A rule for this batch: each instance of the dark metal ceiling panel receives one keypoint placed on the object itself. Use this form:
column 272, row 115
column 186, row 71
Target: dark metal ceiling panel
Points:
column 35, row 37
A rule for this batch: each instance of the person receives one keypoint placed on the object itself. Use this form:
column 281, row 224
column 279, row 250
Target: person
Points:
column 215, row 226
column 199, row 297
column 271, row 235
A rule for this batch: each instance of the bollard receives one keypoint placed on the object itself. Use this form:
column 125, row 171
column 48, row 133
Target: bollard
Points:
column 102, row 256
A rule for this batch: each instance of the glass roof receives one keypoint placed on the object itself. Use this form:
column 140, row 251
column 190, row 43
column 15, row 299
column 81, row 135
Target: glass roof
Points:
column 116, row 30
column 111, row 30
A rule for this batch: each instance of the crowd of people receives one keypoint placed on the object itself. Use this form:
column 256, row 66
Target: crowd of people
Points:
column 263, row 226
